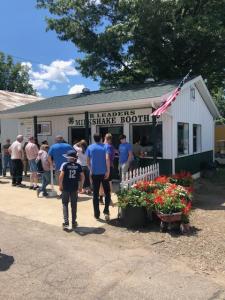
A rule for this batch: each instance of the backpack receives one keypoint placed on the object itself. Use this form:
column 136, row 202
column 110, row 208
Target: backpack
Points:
column 39, row 166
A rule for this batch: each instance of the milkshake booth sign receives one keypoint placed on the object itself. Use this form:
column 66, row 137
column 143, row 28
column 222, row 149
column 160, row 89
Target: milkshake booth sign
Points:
column 113, row 118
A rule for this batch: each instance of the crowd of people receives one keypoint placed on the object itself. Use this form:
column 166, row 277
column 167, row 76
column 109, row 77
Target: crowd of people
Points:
column 78, row 168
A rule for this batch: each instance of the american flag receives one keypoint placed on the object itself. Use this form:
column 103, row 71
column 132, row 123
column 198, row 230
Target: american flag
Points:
column 171, row 98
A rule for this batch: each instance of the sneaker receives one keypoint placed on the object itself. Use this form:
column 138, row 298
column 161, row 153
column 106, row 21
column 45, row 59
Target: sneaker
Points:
column 107, row 218
column 45, row 194
column 31, row 187
column 21, row 185
column 35, row 187
column 97, row 217
column 74, row 225
column 65, row 226
column 14, row 184
column 38, row 192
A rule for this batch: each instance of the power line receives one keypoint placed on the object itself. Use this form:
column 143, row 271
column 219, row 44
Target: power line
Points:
column 22, row 59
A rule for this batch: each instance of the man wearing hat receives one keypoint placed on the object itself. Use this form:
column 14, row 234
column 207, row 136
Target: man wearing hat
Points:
column 70, row 175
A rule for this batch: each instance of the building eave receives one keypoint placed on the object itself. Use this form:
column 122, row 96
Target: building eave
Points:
column 130, row 104
column 205, row 94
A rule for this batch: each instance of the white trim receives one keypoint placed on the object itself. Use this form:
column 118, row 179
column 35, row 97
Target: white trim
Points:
column 196, row 175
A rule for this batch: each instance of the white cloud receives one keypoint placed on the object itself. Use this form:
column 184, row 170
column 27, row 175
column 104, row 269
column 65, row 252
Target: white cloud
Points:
column 39, row 84
column 77, row 88
column 58, row 71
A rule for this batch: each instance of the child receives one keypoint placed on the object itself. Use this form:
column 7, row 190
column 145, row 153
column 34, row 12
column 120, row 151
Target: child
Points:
column 70, row 175
column 43, row 168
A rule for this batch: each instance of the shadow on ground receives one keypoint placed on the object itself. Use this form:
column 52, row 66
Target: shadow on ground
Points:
column 5, row 262
column 210, row 192
column 83, row 231
column 154, row 226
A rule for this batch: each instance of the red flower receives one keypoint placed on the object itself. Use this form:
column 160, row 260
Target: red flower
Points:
column 158, row 200
column 161, row 179
column 187, row 208
column 189, row 189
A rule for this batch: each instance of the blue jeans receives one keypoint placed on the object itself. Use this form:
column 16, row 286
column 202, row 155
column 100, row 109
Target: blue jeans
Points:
column 45, row 180
column 72, row 197
column 7, row 164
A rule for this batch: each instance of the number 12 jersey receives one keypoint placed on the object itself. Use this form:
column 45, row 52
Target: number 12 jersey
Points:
column 71, row 177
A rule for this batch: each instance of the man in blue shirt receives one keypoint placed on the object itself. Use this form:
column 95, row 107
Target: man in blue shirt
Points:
column 125, row 154
column 55, row 154
column 99, row 164
column 57, row 151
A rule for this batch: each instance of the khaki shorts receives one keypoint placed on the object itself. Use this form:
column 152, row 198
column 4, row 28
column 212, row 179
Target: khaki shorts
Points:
column 123, row 168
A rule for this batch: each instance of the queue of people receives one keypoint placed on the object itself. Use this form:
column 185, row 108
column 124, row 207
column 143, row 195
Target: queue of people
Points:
column 78, row 169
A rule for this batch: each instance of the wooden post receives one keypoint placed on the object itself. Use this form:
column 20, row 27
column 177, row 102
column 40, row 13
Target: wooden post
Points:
column 86, row 124
column 154, row 137
column 35, row 127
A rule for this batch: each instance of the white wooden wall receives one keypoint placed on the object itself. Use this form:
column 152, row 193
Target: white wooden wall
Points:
column 9, row 130
column 193, row 112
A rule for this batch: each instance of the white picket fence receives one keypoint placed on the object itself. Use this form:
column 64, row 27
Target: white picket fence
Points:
column 140, row 174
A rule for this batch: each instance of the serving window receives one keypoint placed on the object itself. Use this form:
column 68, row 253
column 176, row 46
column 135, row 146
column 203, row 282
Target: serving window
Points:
column 116, row 131
column 197, row 139
column 143, row 134
column 182, row 138
column 76, row 134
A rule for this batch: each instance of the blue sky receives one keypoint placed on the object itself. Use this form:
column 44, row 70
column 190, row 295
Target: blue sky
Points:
column 51, row 61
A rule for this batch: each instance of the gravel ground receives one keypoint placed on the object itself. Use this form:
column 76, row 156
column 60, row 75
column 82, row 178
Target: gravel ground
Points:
column 204, row 248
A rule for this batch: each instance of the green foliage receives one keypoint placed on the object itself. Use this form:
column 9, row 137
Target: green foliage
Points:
column 14, row 77
column 132, row 198
column 128, row 41
column 219, row 98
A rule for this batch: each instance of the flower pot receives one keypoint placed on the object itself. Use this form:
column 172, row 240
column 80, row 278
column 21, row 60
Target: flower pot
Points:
column 185, row 228
column 134, row 217
column 169, row 218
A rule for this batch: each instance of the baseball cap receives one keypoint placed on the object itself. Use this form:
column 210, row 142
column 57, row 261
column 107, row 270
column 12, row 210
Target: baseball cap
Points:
column 70, row 154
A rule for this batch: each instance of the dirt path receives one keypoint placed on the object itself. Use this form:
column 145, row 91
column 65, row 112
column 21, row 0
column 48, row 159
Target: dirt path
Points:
column 110, row 261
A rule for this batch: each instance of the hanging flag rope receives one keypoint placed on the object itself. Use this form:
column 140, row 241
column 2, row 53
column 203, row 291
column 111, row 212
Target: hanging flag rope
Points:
column 168, row 101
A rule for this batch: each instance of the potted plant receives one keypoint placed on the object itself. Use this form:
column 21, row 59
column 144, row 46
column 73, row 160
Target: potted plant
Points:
column 133, row 204
column 172, row 204
column 183, row 178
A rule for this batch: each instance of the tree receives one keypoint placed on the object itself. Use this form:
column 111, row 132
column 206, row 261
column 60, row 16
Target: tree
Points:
column 129, row 41
column 14, row 77
column 219, row 98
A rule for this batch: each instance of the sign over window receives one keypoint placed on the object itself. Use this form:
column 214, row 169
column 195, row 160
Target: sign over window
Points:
column 44, row 128
column 113, row 117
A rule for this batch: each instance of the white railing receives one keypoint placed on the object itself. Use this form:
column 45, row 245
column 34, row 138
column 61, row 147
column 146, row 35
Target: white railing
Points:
column 140, row 174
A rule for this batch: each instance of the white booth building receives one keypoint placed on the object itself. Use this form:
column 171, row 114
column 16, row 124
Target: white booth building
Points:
column 182, row 138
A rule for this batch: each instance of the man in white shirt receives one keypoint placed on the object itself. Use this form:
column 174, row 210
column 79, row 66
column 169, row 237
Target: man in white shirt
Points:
column 16, row 152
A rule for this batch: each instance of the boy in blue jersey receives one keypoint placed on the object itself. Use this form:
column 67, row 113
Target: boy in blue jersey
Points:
column 70, row 175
